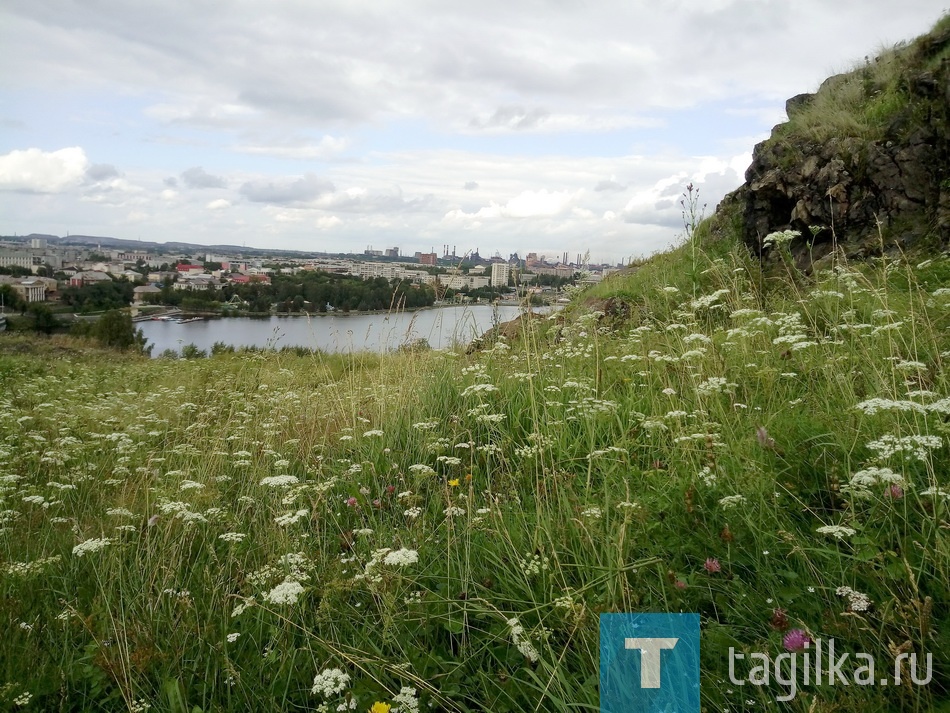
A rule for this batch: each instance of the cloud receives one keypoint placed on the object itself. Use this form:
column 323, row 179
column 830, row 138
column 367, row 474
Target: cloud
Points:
column 538, row 203
column 326, row 148
column 527, row 204
column 301, row 190
column 36, row 171
column 101, row 172
column 512, row 117
column 359, row 200
column 197, row 177
column 219, row 204
column 470, row 186
column 610, row 185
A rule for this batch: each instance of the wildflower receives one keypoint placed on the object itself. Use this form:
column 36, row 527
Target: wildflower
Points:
column 779, row 620
column 406, row 698
column 762, row 436
column 731, row 501
column 285, row 593
column 894, row 492
column 378, row 707
column 233, row 637
column 712, row 565
column 329, row 682
column 92, row 545
column 518, row 638
column 291, row 517
column 280, row 481
column 454, row 483
column 837, row 531
column 401, row 558
column 23, row 699
column 796, row 640
column 780, row 238
column 351, row 502
column 856, row 600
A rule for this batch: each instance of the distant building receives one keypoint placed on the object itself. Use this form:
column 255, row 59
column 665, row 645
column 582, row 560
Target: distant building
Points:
column 31, row 289
column 141, row 293
column 392, row 252
column 38, row 243
column 428, row 258
column 87, row 277
column 500, row 273
column 458, row 282
column 16, row 258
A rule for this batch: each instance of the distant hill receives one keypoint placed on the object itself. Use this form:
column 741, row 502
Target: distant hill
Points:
column 168, row 247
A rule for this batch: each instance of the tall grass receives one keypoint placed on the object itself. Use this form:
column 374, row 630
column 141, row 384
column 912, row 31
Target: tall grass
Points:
column 445, row 529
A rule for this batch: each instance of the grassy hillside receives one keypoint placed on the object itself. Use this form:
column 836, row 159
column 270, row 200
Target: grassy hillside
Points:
column 443, row 530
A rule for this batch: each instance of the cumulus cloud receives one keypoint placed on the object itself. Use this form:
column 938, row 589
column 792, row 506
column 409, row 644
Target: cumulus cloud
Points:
column 359, row 200
column 219, row 204
column 197, row 177
column 36, row 171
column 300, row 190
column 527, row 204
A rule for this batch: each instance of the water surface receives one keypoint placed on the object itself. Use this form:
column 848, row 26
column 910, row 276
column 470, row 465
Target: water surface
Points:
column 441, row 327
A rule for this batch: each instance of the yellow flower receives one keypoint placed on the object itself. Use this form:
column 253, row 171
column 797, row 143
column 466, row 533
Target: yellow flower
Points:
column 454, row 483
column 380, row 708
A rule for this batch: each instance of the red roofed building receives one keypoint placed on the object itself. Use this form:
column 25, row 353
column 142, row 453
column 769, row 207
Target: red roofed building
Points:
column 248, row 279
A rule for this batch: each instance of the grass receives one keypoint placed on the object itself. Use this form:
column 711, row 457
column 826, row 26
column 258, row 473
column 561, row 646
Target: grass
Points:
column 445, row 529
column 862, row 102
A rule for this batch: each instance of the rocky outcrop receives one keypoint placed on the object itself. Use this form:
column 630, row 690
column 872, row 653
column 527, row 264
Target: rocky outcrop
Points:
column 885, row 182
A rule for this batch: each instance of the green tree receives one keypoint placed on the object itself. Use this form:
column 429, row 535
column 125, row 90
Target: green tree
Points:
column 11, row 299
column 115, row 329
column 44, row 321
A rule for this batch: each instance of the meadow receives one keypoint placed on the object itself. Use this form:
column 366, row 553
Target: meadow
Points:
column 440, row 530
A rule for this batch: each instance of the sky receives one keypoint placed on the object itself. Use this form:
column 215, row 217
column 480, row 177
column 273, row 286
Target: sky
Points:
column 544, row 126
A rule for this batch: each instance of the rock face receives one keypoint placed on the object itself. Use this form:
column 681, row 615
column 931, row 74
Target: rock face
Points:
column 884, row 175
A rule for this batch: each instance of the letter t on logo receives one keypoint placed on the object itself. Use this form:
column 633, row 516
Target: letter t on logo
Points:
column 649, row 658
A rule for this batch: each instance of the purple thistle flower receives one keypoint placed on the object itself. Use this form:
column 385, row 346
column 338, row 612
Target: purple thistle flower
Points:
column 795, row 640
column 712, row 565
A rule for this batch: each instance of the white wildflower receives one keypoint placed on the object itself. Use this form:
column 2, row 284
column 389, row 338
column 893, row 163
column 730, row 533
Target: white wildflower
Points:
column 286, row 592
column 92, row 545
column 837, row 531
column 401, row 558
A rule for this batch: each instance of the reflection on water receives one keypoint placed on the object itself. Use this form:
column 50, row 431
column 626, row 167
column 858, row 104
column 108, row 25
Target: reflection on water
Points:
column 441, row 327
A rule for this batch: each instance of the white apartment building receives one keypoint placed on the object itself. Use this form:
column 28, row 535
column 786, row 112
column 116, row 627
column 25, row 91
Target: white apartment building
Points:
column 500, row 273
